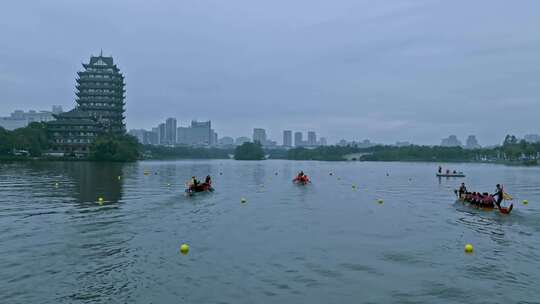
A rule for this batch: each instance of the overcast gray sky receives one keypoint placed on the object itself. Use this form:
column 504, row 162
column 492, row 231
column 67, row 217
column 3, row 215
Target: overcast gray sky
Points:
column 384, row 70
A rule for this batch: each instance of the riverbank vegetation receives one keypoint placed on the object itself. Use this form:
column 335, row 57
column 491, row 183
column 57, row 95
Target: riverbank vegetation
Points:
column 118, row 148
column 249, row 151
column 512, row 152
column 30, row 141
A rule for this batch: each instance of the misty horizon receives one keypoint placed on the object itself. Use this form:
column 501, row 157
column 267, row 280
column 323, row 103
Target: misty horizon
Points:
column 414, row 71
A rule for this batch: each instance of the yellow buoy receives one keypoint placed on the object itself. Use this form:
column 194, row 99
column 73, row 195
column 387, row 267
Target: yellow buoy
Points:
column 380, row 201
column 469, row 248
column 119, row 177
column 168, row 184
column 100, row 200
column 354, row 187
column 243, row 200
column 56, row 185
column 184, row 249
column 525, row 202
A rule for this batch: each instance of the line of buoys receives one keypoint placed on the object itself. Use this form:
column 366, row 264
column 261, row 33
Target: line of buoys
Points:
column 469, row 248
column 184, row 249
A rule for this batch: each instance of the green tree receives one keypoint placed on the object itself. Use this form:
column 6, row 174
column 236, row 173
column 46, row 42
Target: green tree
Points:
column 249, row 151
column 123, row 148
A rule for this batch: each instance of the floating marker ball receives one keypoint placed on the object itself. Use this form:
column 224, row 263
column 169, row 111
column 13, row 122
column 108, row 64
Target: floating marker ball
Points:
column 330, row 173
column 354, row 186
column 243, row 200
column 56, row 185
column 168, row 185
column 220, row 173
column 380, row 201
column 525, row 202
column 469, row 248
column 119, row 177
column 184, row 249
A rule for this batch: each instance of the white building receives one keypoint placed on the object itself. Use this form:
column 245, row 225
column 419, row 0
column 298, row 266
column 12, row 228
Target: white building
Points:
column 451, row 141
column 198, row 134
column 259, row 135
column 20, row 119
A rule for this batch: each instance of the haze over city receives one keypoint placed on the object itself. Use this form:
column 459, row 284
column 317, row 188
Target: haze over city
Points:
column 413, row 71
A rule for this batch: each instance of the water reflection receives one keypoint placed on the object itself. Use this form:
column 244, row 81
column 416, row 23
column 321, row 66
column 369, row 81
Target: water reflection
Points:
column 93, row 180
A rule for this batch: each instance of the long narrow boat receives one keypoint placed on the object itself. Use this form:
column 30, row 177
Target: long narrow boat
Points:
column 199, row 189
column 301, row 181
column 503, row 210
column 458, row 174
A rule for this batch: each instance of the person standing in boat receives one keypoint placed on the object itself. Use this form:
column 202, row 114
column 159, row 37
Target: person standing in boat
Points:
column 208, row 181
column 193, row 183
column 440, row 170
column 499, row 193
column 462, row 190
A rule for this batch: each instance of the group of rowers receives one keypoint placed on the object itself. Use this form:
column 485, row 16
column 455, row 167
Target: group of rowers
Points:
column 483, row 200
column 197, row 186
column 301, row 178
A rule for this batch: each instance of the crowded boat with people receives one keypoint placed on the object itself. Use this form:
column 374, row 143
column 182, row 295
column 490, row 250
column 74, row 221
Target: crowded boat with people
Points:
column 485, row 200
column 195, row 186
column 301, row 179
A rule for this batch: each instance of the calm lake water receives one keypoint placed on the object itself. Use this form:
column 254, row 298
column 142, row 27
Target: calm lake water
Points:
column 322, row 243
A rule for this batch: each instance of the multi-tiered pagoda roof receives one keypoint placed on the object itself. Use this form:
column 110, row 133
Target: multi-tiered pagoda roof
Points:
column 100, row 108
column 100, row 92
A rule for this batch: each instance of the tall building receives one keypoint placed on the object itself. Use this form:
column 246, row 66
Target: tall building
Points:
column 20, row 119
column 200, row 133
column 298, row 141
column 451, row 141
column 170, row 131
column 322, row 141
column 100, row 108
column 472, row 143
column 259, row 135
column 287, row 138
column 100, row 92
column 162, row 134
column 311, row 139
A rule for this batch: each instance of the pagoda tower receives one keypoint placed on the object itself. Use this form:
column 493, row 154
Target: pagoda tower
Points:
column 100, row 92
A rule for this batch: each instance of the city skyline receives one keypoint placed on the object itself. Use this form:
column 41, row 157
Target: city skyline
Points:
column 386, row 71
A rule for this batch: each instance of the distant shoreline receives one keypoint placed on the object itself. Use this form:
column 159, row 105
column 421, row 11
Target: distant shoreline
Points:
column 10, row 159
